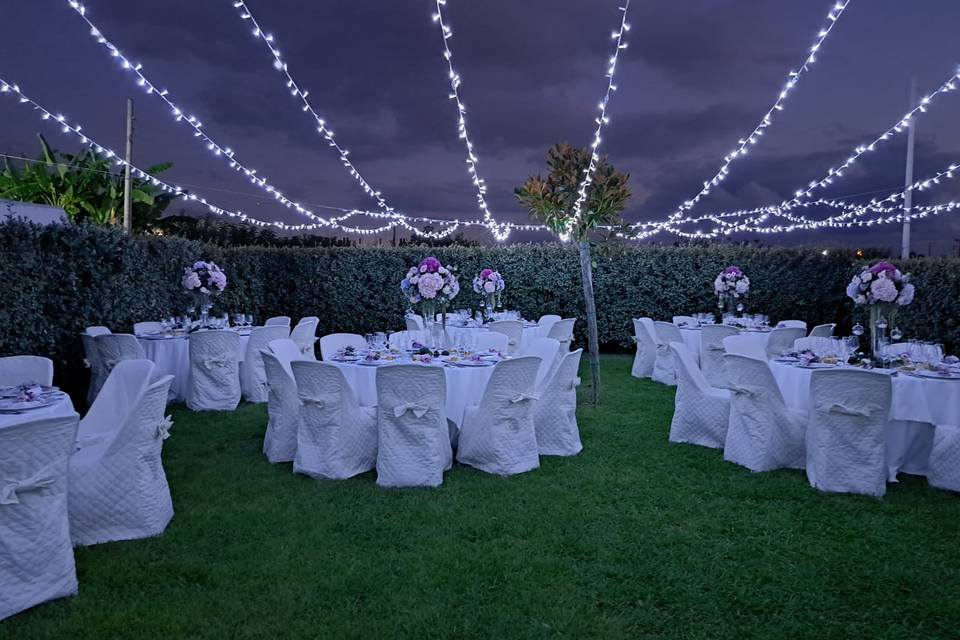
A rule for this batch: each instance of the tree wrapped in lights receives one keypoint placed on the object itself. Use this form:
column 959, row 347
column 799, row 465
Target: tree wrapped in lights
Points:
column 552, row 200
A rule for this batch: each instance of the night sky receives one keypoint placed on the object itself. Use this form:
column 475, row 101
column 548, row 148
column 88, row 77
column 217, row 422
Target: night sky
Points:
column 698, row 75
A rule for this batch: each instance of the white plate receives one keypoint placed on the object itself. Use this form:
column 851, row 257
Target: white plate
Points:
column 817, row 365
column 7, row 406
column 471, row 363
column 935, row 375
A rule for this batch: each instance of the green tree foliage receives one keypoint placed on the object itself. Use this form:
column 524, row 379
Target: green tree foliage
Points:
column 86, row 186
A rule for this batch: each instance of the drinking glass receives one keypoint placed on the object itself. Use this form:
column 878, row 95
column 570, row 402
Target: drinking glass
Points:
column 249, row 317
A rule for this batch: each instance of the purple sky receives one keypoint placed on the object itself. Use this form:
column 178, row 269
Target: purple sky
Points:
column 697, row 76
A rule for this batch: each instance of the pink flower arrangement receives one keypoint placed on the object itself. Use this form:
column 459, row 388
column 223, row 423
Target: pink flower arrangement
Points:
column 430, row 282
column 882, row 283
column 731, row 284
column 204, row 277
column 489, row 284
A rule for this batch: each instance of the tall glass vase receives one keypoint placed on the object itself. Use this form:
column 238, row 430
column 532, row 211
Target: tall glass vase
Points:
column 881, row 316
column 429, row 311
column 204, row 303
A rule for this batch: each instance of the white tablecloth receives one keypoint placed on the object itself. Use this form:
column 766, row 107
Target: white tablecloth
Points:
column 63, row 407
column 692, row 338
column 465, row 386
column 530, row 333
column 172, row 356
column 917, row 405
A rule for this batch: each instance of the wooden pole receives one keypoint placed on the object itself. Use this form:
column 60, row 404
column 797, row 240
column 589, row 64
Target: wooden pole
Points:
column 127, row 177
column 908, row 195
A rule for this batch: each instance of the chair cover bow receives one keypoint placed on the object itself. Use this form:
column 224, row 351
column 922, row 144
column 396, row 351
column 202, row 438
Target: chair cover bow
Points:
column 417, row 409
column 864, row 412
column 524, row 397
column 163, row 429
column 317, row 402
column 306, row 348
column 741, row 391
column 86, row 363
column 43, row 479
column 576, row 383
column 221, row 360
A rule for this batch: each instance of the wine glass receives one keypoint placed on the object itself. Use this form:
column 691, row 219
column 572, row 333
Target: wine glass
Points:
column 250, row 319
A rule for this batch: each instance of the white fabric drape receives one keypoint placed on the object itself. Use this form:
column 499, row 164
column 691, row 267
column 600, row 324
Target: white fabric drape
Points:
column 214, row 383
column 555, row 412
column 701, row 412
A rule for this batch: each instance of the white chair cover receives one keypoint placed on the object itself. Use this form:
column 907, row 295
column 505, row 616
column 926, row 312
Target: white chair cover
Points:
column 414, row 322
column 36, row 557
column 793, row 324
column 742, row 345
column 819, row 346
column 116, row 401
column 253, row 377
column 763, row 433
column 214, row 371
column 498, row 436
column 846, row 435
column 664, row 368
column 140, row 328
column 16, row 370
column 943, row 470
column 116, row 347
column 685, row 321
column 330, row 344
column 337, row 437
column 711, row 353
column 278, row 321
column 555, row 412
column 118, row 490
column 513, row 329
column 414, row 448
column 782, row 340
column 548, row 350
column 283, row 410
column 304, row 319
column 701, row 412
column 286, row 351
column 562, row 332
column 304, row 335
column 646, row 350
column 96, row 330
column 486, row 340
column 546, row 323
column 823, row 331
column 92, row 360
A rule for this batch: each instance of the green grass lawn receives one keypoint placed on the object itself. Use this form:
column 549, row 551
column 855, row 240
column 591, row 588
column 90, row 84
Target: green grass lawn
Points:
column 634, row 538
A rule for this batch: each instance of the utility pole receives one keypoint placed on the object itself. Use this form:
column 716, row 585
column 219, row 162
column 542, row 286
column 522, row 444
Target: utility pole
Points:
column 908, row 195
column 127, row 177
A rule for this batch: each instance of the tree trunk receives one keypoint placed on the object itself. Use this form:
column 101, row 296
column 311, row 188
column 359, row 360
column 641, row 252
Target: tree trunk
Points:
column 593, row 342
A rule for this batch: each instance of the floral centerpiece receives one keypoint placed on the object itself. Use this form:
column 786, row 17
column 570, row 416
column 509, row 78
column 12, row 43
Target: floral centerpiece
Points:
column 489, row 284
column 730, row 286
column 204, row 281
column 430, row 286
column 883, row 288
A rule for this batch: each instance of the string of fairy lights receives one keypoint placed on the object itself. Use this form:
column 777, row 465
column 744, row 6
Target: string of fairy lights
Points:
column 758, row 220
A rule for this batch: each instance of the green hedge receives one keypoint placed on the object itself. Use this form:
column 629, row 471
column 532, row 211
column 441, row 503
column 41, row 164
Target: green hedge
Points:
column 56, row 280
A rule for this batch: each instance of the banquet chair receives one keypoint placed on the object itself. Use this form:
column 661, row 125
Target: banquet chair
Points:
column 546, row 323
column 414, row 433
column 555, row 412
column 487, row 340
column 701, row 412
column 562, row 331
column 943, row 466
column 497, row 436
column 330, row 344
column 685, row 321
column 823, row 330
column 782, row 339
column 743, row 345
column 304, row 319
column 214, row 371
column 711, row 352
column 846, row 434
column 253, row 377
column 513, row 329
column 96, row 330
column 666, row 332
column 92, row 360
column 36, row 557
column 336, row 437
column 15, row 370
column 646, row 350
column 283, row 409
column 122, row 389
column 118, row 489
column 116, row 347
column 286, row 350
column 763, row 433
column 278, row 321
column 142, row 328
column 304, row 335
column 548, row 350
column 414, row 322
column 793, row 324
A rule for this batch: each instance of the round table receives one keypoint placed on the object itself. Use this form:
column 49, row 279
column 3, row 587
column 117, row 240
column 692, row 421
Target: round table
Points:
column 916, row 406
column 465, row 385
column 171, row 355
column 61, row 408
